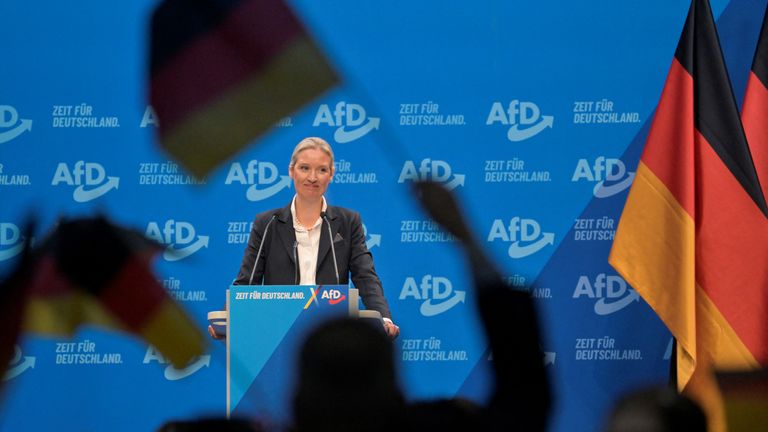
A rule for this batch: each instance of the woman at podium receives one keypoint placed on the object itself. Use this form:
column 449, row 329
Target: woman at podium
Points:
column 309, row 242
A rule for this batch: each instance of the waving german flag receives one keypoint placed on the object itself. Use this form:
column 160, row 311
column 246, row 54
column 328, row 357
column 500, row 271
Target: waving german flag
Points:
column 225, row 71
column 89, row 271
column 693, row 237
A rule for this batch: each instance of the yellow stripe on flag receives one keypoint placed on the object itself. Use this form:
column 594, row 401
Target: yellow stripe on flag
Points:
column 172, row 333
column 654, row 251
column 61, row 315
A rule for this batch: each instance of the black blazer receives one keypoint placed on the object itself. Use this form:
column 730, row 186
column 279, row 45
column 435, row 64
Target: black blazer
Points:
column 277, row 265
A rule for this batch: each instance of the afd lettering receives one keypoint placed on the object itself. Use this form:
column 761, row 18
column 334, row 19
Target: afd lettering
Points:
column 149, row 118
column 610, row 291
column 11, row 242
column 525, row 236
column 524, row 118
column 262, row 177
column 90, row 178
column 174, row 234
column 171, row 373
column 333, row 296
column 436, row 291
column 10, row 124
column 437, row 171
column 18, row 364
column 350, row 120
column 610, row 174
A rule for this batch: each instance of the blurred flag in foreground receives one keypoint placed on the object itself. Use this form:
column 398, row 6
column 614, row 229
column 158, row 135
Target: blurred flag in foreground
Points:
column 225, row 71
column 693, row 236
column 91, row 272
column 746, row 399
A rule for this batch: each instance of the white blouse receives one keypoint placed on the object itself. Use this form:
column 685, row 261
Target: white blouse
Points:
column 307, row 245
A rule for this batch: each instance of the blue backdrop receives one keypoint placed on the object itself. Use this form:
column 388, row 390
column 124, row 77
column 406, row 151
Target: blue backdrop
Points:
column 535, row 113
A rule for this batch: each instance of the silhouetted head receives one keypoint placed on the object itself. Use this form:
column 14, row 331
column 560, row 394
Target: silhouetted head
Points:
column 218, row 424
column 658, row 409
column 347, row 379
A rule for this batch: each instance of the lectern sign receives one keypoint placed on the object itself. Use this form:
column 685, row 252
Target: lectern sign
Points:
column 267, row 325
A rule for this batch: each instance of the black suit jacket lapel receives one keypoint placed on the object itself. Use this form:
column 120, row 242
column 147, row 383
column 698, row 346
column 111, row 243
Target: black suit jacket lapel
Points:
column 325, row 239
column 285, row 232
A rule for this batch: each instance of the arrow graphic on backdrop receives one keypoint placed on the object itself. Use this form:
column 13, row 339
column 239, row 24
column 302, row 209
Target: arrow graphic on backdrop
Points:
column 517, row 251
column 603, row 308
column 256, row 194
column 12, row 251
column 429, row 309
column 25, row 125
column 516, row 134
column 602, row 191
column 82, row 195
column 173, row 374
column 456, row 181
column 342, row 136
column 375, row 240
column 173, row 254
column 29, row 362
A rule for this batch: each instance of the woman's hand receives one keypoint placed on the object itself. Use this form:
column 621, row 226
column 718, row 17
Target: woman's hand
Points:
column 392, row 329
column 212, row 332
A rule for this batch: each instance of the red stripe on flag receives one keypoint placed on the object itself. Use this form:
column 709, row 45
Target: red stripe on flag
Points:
column 47, row 280
column 753, row 116
column 668, row 152
column 134, row 295
column 731, row 252
column 246, row 40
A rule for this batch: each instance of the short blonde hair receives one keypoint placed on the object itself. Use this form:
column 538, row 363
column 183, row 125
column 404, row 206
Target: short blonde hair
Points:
column 311, row 143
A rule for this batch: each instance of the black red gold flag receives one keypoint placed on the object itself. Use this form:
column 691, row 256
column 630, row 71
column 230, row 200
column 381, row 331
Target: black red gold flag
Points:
column 223, row 72
column 693, row 237
column 91, row 272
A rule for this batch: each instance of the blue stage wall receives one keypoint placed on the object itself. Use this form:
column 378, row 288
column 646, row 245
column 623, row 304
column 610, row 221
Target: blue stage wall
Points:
column 534, row 112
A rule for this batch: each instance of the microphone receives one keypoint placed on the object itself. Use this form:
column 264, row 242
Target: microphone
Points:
column 333, row 248
column 258, row 254
column 295, row 263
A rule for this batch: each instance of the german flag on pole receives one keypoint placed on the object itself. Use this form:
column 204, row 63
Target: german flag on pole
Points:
column 693, row 236
column 225, row 71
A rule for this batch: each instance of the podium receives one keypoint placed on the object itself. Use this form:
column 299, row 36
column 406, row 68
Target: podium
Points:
column 265, row 327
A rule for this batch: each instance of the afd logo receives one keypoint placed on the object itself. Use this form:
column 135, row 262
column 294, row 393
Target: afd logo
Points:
column 175, row 234
column 610, row 291
column 333, row 296
column 10, row 124
column 11, row 241
column 372, row 240
column 436, row 291
column 90, row 178
column 437, row 171
column 610, row 174
column 350, row 121
column 171, row 373
column 18, row 364
column 523, row 118
column 524, row 235
column 262, row 177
